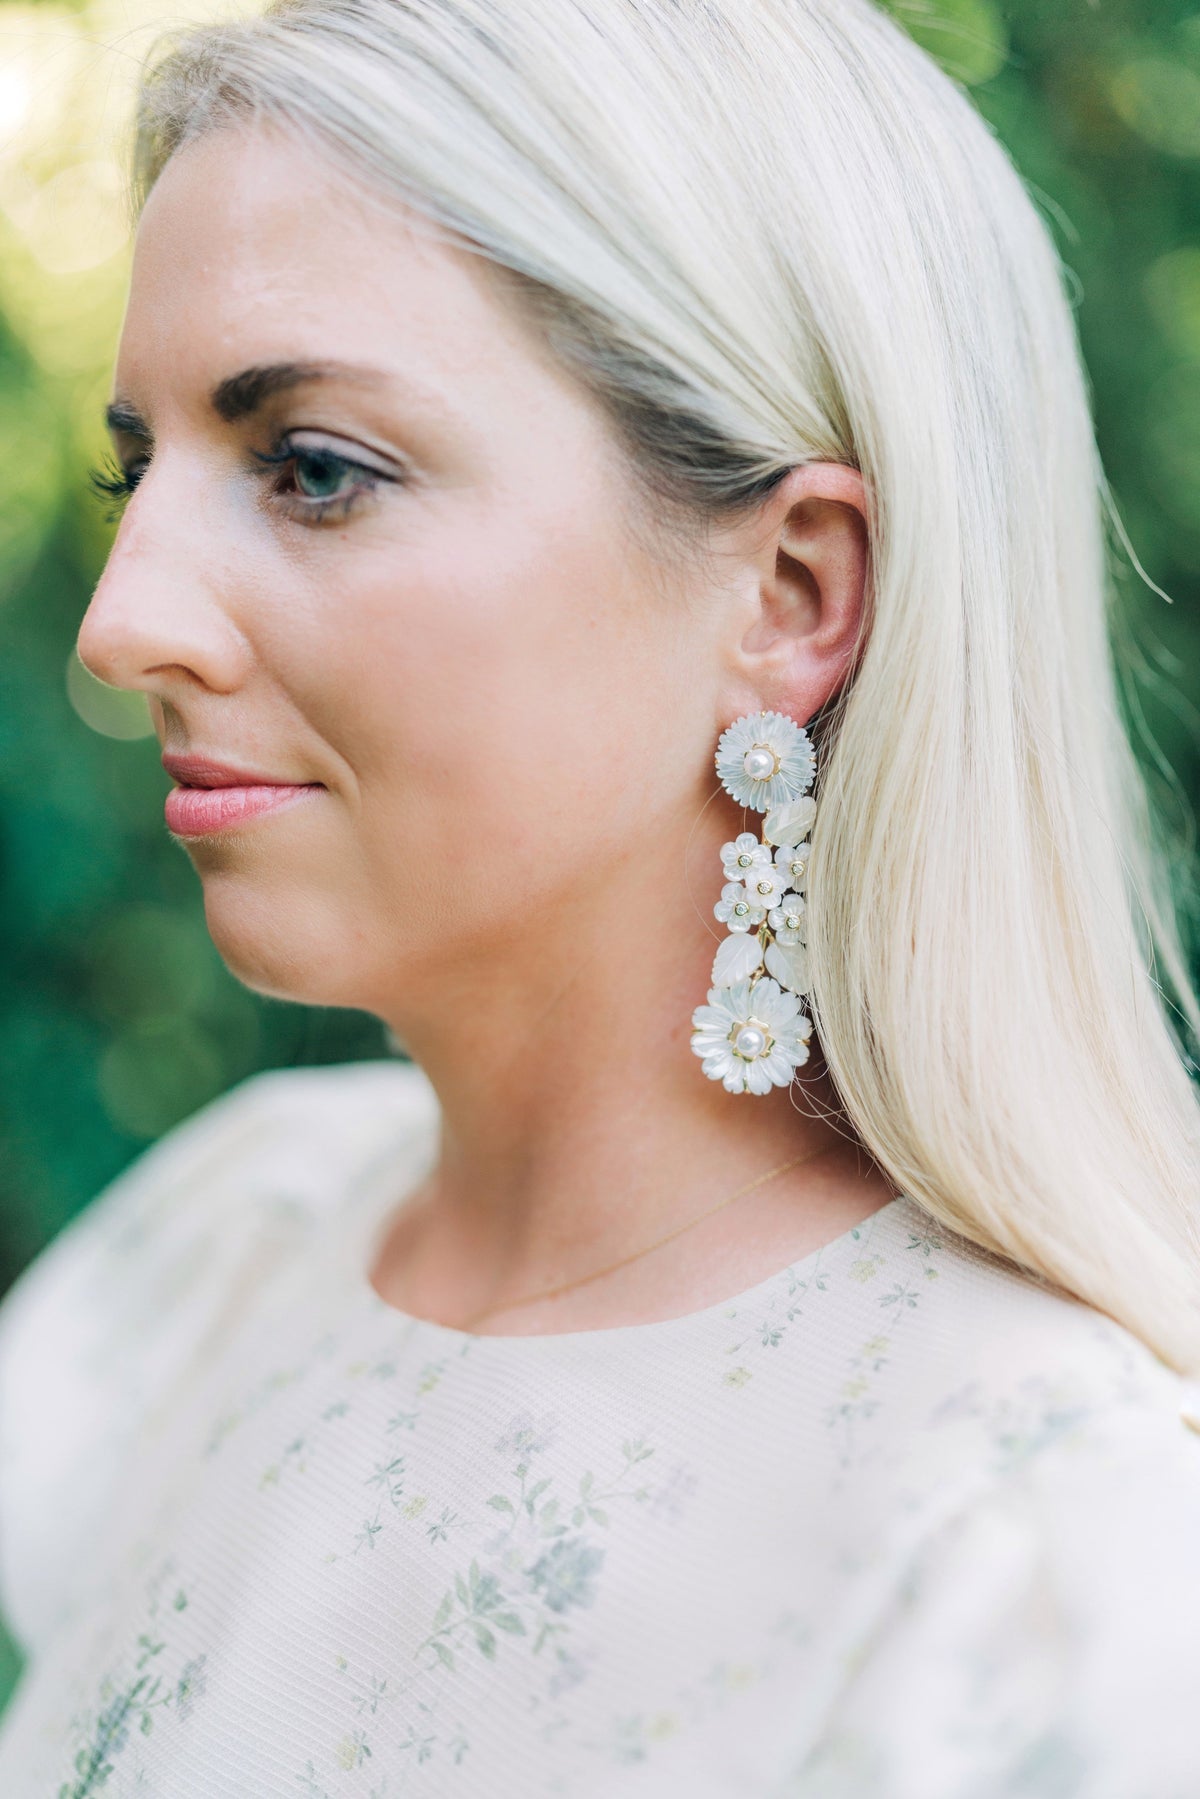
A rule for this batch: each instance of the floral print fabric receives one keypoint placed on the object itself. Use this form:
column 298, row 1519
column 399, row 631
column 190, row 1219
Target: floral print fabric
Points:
column 900, row 1522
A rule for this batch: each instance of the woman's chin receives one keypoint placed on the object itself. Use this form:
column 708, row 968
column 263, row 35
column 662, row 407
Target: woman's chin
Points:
column 284, row 951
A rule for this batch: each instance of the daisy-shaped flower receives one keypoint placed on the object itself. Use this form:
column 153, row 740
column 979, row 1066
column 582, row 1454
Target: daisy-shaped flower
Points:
column 737, row 908
column 765, row 760
column 741, row 857
column 787, row 920
column 751, row 1036
column 793, row 860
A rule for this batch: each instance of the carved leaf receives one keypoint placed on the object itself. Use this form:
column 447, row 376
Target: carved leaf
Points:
column 789, row 964
column 738, row 958
column 790, row 824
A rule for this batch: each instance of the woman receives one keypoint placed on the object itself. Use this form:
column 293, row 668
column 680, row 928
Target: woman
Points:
column 584, row 458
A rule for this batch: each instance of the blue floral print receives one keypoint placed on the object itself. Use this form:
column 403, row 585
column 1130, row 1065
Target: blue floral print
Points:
column 893, row 1524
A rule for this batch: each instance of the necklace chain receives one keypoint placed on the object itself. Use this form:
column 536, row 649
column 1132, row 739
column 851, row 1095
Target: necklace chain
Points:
column 564, row 1286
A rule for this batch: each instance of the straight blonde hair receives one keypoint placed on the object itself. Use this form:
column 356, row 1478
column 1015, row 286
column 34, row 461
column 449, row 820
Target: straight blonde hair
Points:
column 765, row 232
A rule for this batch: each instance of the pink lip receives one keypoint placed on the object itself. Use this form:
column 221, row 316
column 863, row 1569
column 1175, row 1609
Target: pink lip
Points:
column 195, row 811
column 215, row 795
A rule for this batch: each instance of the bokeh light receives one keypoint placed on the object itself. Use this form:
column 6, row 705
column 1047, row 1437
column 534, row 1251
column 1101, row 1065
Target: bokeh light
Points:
column 113, row 711
column 1172, row 289
column 968, row 37
column 1160, row 99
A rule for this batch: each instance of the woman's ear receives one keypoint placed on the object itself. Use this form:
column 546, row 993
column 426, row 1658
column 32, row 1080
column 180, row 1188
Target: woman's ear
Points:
column 800, row 571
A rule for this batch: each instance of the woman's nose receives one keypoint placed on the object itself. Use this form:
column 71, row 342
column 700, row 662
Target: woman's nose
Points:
column 160, row 617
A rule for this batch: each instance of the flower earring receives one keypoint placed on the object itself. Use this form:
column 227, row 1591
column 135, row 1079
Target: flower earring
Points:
column 752, row 1034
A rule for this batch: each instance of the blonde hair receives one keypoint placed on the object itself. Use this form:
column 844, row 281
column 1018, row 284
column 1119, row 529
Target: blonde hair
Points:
column 766, row 232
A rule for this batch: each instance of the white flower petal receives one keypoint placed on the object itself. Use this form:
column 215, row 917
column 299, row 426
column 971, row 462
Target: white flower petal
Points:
column 772, row 1004
column 735, row 998
column 757, row 1078
column 793, row 1037
column 777, row 729
column 779, row 1066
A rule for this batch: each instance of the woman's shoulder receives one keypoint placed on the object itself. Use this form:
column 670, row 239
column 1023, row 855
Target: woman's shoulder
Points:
column 279, row 1130
column 1025, row 1475
column 131, row 1296
column 278, row 1136
column 991, row 1365
column 1042, row 1632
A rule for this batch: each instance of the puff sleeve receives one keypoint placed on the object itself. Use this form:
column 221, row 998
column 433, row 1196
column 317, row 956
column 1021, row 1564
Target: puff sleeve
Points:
column 132, row 1297
column 1044, row 1642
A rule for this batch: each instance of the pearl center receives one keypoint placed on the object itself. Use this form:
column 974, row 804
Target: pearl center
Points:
column 750, row 1041
column 760, row 762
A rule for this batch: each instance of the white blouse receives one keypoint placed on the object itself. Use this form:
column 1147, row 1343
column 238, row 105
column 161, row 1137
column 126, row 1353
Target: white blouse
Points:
column 899, row 1522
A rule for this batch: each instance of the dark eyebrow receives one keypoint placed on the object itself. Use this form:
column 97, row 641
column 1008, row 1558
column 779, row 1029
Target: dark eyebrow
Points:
column 241, row 395
column 126, row 419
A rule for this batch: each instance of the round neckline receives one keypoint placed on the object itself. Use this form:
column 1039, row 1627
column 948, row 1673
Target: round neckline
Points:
column 653, row 1329
column 367, row 1241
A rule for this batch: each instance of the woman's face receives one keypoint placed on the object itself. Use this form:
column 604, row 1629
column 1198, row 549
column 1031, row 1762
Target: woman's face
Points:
column 431, row 612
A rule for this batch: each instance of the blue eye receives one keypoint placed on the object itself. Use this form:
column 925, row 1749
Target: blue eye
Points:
column 319, row 476
column 324, row 484
column 316, row 470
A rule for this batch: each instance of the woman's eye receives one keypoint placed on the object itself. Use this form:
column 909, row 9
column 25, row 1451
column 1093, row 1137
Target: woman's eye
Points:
column 313, row 484
column 319, row 474
column 317, row 482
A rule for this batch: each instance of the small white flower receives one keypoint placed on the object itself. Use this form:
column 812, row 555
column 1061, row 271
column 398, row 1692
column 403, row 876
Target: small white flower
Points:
column 787, row 920
column 751, row 1036
column 793, row 860
column 741, row 857
column 737, row 908
column 766, row 884
column 765, row 760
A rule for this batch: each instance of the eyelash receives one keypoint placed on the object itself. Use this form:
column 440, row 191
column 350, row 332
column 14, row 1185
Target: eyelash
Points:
column 115, row 484
column 109, row 481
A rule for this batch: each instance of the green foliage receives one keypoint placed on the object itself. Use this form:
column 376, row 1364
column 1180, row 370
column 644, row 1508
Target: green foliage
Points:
column 117, row 1018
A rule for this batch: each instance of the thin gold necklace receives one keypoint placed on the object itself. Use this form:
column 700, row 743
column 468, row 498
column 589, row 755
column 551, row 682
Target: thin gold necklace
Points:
column 563, row 1286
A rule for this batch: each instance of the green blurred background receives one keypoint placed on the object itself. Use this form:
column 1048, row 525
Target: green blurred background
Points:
column 117, row 1018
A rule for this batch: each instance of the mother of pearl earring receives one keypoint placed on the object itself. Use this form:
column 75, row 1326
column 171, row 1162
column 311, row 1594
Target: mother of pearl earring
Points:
column 753, row 1034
